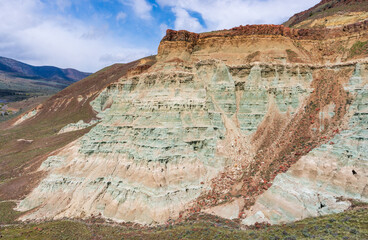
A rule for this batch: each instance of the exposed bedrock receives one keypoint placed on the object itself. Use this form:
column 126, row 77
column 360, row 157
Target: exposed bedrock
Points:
column 325, row 179
column 210, row 137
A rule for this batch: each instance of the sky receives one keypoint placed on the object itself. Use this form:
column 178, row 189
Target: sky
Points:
column 91, row 34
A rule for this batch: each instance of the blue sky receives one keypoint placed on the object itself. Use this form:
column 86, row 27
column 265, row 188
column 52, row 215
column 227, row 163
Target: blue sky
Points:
column 91, row 34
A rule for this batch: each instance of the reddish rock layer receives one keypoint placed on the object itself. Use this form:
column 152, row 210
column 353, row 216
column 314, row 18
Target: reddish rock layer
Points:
column 182, row 35
column 274, row 30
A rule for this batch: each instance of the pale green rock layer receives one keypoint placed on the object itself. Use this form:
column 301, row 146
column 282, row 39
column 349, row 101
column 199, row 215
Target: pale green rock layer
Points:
column 77, row 126
column 157, row 145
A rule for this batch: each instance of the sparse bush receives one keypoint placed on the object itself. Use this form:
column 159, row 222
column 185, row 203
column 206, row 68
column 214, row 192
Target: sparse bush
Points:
column 306, row 233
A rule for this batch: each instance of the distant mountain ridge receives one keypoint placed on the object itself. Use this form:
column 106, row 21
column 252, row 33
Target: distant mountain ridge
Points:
column 19, row 81
column 20, row 69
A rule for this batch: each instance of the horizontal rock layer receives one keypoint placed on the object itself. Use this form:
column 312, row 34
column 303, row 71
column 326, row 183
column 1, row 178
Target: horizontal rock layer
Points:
column 163, row 139
column 211, row 126
column 159, row 139
column 265, row 44
column 275, row 30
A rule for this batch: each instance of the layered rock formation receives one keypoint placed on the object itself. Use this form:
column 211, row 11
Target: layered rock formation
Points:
column 322, row 181
column 330, row 13
column 263, row 123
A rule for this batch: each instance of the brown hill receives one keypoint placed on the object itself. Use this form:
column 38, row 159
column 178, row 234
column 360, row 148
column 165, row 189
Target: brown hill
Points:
column 50, row 73
column 330, row 13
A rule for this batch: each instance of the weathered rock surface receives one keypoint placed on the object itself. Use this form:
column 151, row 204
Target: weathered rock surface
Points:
column 77, row 126
column 322, row 181
column 264, row 126
column 26, row 116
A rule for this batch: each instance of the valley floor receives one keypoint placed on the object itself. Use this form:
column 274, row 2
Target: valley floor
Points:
column 352, row 224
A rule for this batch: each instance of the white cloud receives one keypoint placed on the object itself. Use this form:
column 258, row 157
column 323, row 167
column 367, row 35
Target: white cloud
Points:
column 221, row 14
column 28, row 34
column 118, row 57
column 121, row 16
column 19, row 15
column 63, row 4
column 184, row 21
column 141, row 8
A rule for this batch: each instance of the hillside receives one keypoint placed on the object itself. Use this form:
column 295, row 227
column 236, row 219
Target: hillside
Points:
column 23, row 85
column 19, row 69
column 20, row 81
column 330, row 13
column 255, row 124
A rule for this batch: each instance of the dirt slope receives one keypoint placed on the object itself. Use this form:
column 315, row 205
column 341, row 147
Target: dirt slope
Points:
column 330, row 13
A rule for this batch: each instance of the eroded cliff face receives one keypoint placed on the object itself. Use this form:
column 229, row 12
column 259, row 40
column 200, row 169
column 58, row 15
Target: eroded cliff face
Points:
column 323, row 180
column 261, row 126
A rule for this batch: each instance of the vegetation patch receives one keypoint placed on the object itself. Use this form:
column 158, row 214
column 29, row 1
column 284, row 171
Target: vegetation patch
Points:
column 292, row 56
column 7, row 213
column 253, row 56
column 352, row 224
column 358, row 48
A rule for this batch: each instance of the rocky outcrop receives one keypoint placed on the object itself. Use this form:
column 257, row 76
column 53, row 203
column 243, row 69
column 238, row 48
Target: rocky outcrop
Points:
column 175, row 142
column 224, row 123
column 26, row 116
column 77, row 126
column 265, row 43
column 182, row 35
column 268, row 29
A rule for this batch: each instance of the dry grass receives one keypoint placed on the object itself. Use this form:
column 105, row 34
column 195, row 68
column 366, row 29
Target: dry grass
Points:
column 327, row 9
column 352, row 224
